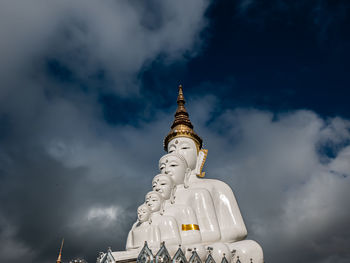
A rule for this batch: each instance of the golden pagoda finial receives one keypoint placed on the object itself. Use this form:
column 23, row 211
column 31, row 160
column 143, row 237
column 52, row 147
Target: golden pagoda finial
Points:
column 180, row 97
column 181, row 115
column 182, row 126
column 60, row 254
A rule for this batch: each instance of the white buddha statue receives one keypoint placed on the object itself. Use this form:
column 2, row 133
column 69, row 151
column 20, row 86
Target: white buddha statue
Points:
column 166, row 225
column 183, row 214
column 198, row 199
column 184, row 141
column 141, row 230
column 185, row 208
column 152, row 226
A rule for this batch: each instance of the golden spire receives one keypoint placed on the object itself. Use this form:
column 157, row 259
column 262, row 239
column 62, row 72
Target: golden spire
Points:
column 60, row 254
column 182, row 126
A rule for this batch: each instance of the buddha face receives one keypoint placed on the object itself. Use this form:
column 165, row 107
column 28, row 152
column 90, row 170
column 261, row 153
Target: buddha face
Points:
column 143, row 213
column 154, row 201
column 186, row 147
column 163, row 184
column 174, row 167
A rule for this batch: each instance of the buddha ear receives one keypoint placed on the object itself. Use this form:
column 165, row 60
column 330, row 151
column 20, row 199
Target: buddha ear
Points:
column 187, row 177
column 201, row 158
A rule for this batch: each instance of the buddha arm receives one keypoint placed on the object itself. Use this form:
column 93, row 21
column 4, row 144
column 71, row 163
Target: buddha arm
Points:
column 203, row 206
column 229, row 215
column 130, row 239
column 155, row 237
column 169, row 231
column 189, row 235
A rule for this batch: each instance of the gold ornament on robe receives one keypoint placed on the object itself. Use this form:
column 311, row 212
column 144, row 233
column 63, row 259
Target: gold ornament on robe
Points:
column 182, row 126
column 190, row 227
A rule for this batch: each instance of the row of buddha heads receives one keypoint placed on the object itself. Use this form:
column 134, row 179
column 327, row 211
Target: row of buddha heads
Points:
column 174, row 173
column 168, row 207
column 175, row 168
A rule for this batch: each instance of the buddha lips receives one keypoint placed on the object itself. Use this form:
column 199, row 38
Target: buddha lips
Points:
column 190, row 227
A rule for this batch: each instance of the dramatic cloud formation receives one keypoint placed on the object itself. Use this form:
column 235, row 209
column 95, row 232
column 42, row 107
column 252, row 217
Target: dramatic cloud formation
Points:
column 65, row 171
column 291, row 175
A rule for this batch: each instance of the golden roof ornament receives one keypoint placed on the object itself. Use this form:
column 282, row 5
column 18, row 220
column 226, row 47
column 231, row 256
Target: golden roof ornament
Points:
column 59, row 260
column 182, row 126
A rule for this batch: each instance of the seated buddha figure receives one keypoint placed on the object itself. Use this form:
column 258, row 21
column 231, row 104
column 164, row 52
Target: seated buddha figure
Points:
column 141, row 230
column 166, row 226
column 200, row 202
column 198, row 199
column 184, row 141
column 183, row 214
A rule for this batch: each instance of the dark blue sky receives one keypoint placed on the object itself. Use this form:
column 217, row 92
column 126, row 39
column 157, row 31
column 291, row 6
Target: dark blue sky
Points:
column 280, row 58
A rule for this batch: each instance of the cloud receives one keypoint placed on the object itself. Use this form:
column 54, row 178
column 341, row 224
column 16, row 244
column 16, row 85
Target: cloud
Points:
column 65, row 171
column 291, row 188
column 90, row 40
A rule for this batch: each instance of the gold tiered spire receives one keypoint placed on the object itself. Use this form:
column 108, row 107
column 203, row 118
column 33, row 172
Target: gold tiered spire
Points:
column 60, row 254
column 182, row 126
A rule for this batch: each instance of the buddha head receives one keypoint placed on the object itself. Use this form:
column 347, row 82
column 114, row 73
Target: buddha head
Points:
column 175, row 166
column 163, row 184
column 185, row 147
column 154, row 201
column 143, row 213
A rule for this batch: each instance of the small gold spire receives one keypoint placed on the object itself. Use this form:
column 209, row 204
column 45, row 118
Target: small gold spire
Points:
column 180, row 97
column 59, row 260
column 181, row 115
column 182, row 126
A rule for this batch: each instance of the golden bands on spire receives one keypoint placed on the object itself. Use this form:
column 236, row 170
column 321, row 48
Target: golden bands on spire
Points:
column 182, row 126
column 181, row 115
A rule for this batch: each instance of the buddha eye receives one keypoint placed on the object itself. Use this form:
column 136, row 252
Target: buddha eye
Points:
column 172, row 149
